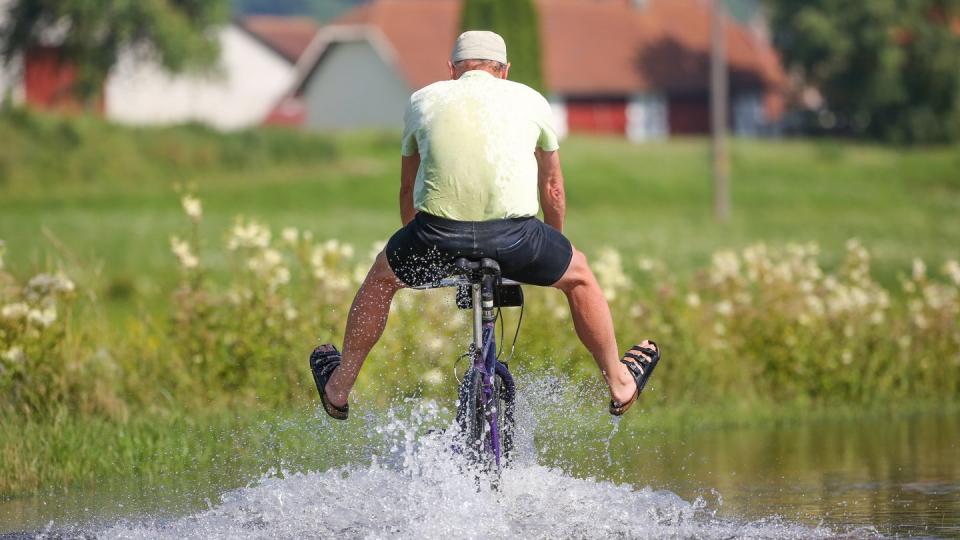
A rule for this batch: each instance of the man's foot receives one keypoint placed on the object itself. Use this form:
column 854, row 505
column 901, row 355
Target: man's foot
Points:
column 324, row 360
column 640, row 361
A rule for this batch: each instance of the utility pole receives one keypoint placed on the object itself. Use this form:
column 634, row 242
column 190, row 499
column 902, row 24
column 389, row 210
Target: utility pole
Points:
column 719, row 103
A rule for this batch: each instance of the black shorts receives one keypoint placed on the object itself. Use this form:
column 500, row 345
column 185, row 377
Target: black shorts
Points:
column 528, row 250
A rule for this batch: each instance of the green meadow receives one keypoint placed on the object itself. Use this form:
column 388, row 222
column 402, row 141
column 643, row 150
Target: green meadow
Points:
column 103, row 197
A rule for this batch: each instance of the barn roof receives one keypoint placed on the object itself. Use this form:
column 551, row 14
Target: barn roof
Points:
column 590, row 47
column 288, row 36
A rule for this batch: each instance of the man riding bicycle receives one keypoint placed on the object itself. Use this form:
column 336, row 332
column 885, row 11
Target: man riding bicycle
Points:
column 476, row 152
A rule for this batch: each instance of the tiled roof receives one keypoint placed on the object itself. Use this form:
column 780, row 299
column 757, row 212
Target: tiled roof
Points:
column 288, row 36
column 421, row 33
column 593, row 47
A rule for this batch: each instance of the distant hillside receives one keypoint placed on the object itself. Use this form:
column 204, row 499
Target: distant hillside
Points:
column 322, row 10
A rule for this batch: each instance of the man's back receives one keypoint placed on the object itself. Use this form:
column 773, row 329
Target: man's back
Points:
column 470, row 163
column 476, row 138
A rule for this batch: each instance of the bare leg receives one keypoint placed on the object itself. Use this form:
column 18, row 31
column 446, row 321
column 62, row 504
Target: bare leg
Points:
column 365, row 324
column 594, row 325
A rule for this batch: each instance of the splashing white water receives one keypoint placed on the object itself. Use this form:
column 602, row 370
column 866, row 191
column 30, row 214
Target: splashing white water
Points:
column 415, row 486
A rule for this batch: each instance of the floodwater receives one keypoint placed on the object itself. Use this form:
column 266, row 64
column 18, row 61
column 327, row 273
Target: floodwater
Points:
column 576, row 475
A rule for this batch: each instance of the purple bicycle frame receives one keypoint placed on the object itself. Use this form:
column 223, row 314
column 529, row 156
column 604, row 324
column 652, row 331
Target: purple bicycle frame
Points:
column 485, row 362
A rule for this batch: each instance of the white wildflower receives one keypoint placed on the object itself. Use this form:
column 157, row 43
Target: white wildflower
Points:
column 248, row 235
column 434, row 344
column 719, row 329
column 757, row 262
column 42, row 286
column 645, row 264
column 858, row 262
column 290, row 313
column 693, row 300
column 725, row 267
column 919, row 270
column 192, row 207
column 43, row 317
column 724, row 308
column 433, row 377
column 847, row 358
column 290, row 235
column 15, row 311
column 268, row 265
column 636, row 311
column 815, row 306
column 951, row 269
column 609, row 271
column 181, row 249
column 14, row 354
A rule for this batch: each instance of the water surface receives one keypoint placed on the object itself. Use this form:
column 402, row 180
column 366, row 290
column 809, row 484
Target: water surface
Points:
column 576, row 475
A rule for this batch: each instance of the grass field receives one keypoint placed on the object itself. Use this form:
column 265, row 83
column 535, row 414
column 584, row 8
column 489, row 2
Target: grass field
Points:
column 102, row 198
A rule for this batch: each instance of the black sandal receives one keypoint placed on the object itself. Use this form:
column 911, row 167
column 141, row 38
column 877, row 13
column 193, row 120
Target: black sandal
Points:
column 641, row 368
column 323, row 361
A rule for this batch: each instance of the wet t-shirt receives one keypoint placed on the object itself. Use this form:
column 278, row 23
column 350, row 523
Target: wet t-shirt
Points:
column 476, row 137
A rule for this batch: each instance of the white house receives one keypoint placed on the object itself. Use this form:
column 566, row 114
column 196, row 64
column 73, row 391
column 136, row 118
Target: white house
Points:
column 240, row 92
column 11, row 83
column 255, row 69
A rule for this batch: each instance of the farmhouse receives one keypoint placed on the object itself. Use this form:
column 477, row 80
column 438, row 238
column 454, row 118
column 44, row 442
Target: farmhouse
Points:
column 638, row 69
column 256, row 69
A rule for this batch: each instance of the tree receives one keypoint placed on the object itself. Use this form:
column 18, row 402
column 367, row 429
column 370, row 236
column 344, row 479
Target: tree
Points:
column 518, row 23
column 92, row 34
column 888, row 69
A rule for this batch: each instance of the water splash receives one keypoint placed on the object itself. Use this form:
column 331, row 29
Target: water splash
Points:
column 615, row 422
column 410, row 484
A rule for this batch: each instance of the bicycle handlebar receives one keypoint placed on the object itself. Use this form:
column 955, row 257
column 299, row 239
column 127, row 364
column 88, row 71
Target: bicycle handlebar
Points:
column 456, row 281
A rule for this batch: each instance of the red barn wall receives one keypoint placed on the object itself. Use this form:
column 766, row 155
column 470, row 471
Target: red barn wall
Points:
column 48, row 80
column 597, row 116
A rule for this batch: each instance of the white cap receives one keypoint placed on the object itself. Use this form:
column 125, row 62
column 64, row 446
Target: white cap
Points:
column 479, row 45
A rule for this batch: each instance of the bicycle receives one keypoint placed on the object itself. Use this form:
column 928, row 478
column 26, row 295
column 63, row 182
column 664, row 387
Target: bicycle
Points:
column 487, row 393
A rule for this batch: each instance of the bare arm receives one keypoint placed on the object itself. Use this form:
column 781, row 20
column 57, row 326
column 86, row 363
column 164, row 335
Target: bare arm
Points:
column 553, row 199
column 408, row 177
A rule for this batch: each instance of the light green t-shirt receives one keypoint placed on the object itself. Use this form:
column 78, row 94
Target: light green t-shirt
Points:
column 476, row 136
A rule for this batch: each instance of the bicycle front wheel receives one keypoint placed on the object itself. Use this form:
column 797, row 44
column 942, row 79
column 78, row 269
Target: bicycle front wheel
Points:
column 474, row 414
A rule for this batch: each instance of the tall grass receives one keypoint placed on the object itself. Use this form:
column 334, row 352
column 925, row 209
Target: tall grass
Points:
column 755, row 325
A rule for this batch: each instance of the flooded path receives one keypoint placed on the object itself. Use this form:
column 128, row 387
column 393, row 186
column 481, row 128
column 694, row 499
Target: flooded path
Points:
column 576, row 476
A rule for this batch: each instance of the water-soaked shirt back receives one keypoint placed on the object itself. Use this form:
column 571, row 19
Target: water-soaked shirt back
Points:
column 476, row 137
